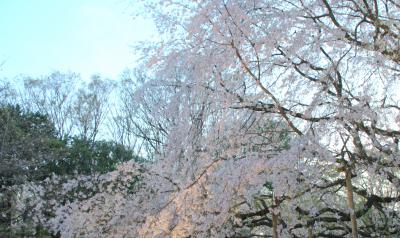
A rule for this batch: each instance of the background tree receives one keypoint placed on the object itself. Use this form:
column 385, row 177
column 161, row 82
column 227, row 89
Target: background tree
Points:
column 90, row 107
column 28, row 143
column 144, row 118
column 52, row 96
column 88, row 157
column 7, row 93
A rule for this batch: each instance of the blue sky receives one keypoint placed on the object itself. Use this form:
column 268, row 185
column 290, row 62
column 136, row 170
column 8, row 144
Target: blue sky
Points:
column 83, row 36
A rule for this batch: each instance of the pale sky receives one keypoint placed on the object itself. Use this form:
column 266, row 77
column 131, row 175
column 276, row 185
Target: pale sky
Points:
column 83, row 36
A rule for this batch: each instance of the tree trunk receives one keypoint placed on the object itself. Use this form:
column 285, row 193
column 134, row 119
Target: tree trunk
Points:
column 275, row 217
column 274, row 225
column 350, row 203
column 310, row 233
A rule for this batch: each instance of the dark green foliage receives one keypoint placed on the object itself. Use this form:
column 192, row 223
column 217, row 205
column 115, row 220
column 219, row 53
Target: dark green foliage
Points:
column 30, row 150
column 87, row 157
column 28, row 143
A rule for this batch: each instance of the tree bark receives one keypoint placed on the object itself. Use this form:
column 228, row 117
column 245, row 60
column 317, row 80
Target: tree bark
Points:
column 274, row 225
column 350, row 203
column 275, row 218
column 310, row 233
